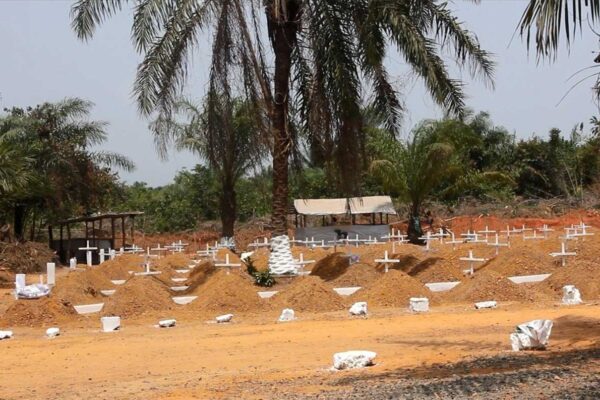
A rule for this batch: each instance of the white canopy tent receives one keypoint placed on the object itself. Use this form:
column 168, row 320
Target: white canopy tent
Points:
column 321, row 206
column 371, row 205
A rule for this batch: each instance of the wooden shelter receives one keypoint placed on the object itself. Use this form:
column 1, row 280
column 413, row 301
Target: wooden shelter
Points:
column 99, row 234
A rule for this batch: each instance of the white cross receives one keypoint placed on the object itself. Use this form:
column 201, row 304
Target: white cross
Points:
column 88, row 253
column 386, row 261
column 486, row 231
column 563, row 254
column 471, row 260
column 227, row 264
column 497, row 244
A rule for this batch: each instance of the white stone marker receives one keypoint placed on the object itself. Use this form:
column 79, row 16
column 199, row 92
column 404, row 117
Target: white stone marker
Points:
column 6, row 334
column 51, row 333
column 486, row 304
column 51, row 274
column 73, row 263
column 287, row 315
column 88, row 253
column 224, row 318
column 418, row 304
column 359, row 308
column 571, row 295
column 167, row 323
column 101, row 255
column 20, row 281
column 353, row 359
column 110, row 324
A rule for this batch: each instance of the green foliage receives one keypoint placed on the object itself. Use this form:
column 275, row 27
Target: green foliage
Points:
column 261, row 278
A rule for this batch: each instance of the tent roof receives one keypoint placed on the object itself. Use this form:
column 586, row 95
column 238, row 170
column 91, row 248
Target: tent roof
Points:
column 321, row 206
column 372, row 204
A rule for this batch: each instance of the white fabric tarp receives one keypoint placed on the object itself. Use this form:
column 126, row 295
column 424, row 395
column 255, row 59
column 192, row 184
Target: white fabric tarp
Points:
column 371, row 204
column 531, row 335
column 34, row 291
column 321, row 206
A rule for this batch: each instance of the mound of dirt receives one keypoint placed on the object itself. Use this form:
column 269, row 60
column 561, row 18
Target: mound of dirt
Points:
column 227, row 293
column 199, row 275
column 582, row 274
column 7, row 279
column 119, row 268
column 490, row 285
column 138, row 296
column 331, row 267
column 171, row 262
column 27, row 257
column 308, row 294
column 81, row 287
column 393, row 289
column 357, row 275
column 40, row 312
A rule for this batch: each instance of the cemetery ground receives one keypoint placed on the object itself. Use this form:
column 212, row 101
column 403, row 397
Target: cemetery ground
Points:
column 452, row 351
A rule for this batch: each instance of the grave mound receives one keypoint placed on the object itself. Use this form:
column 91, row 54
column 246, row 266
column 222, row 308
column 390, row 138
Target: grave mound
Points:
column 7, row 279
column 308, row 294
column 393, row 289
column 82, row 287
column 525, row 257
column 582, row 274
column 39, row 312
column 119, row 268
column 227, row 293
column 331, row 266
column 170, row 263
column 138, row 296
column 490, row 285
column 360, row 274
column 199, row 275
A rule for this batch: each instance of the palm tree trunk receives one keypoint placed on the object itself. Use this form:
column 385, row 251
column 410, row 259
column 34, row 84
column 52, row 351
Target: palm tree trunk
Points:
column 414, row 225
column 19, row 222
column 284, row 38
column 228, row 208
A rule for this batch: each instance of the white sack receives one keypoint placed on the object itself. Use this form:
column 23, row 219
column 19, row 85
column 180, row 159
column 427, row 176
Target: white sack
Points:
column 6, row 334
column 359, row 308
column 167, row 323
column 353, row 359
column 52, row 332
column 224, row 318
column 571, row 295
column 287, row 315
column 531, row 335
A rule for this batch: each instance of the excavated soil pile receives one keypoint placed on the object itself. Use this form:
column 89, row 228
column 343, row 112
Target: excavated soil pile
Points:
column 394, row 289
column 119, row 268
column 363, row 275
column 7, row 279
column 198, row 276
column 40, row 312
column 233, row 258
column 331, row 267
column 308, row 294
column 525, row 258
column 260, row 259
column 27, row 257
column 227, row 293
column 582, row 274
column 138, row 296
column 170, row 263
column 490, row 285
column 82, row 287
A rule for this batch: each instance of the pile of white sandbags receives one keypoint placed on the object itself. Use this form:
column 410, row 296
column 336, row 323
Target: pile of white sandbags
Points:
column 281, row 260
column 532, row 335
column 353, row 359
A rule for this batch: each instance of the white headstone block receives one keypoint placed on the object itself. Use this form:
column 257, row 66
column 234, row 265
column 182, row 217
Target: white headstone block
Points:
column 167, row 323
column 571, row 295
column 6, row 334
column 287, row 315
column 52, row 332
column 486, row 304
column 419, row 304
column 51, row 273
column 110, row 324
column 359, row 308
column 353, row 359
column 73, row 263
column 224, row 318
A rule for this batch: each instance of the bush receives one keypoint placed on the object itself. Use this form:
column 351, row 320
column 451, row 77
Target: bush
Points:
column 261, row 278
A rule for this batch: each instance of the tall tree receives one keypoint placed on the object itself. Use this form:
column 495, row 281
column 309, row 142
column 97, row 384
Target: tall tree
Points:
column 222, row 133
column 321, row 50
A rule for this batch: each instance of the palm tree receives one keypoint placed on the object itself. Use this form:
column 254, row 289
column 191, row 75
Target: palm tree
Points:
column 65, row 175
column 413, row 169
column 222, row 133
column 325, row 54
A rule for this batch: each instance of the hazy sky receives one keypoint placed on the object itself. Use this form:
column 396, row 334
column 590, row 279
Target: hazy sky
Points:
column 41, row 60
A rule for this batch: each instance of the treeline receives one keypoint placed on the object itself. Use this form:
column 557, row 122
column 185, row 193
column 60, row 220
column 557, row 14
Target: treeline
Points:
column 442, row 160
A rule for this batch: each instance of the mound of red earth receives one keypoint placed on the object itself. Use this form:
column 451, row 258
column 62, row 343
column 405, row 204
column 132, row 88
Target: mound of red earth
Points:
column 393, row 289
column 198, row 276
column 7, row 279
column 331, row 266
column 583, row 274
column 119, row 268
column 39, row 312
column 490, row 285
column 140, row 295
column 27, row 257
column 363, row 275
column 227, row 293
column 309, row 294
column 82, row 287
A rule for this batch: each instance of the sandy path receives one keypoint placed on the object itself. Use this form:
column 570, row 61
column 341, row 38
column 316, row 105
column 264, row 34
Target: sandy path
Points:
column 242, row 360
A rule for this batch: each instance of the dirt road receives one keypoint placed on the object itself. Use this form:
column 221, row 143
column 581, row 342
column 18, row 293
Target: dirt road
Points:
column 257, row 358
